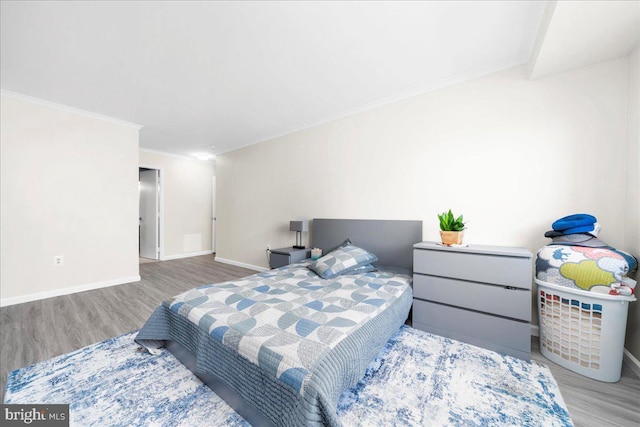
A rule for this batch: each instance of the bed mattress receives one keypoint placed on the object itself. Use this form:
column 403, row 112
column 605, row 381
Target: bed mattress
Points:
column 286, row 340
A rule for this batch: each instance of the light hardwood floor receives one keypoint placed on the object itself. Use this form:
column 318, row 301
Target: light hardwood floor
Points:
column 38, row 330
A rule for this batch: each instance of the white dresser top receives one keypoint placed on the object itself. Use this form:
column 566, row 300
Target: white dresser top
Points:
column 478, row 249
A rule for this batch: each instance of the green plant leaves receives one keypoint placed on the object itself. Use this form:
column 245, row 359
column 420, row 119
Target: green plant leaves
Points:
column 448, row 222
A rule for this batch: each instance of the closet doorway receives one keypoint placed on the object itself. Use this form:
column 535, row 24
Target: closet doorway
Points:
column 149, row 214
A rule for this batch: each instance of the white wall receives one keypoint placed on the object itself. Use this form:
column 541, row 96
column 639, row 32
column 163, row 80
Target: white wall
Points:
column 187, row 201
column 510, row 154
column 632, row 206
column 68, row 187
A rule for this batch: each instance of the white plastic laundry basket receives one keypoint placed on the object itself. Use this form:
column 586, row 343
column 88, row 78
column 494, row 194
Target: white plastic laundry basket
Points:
column 583, row 331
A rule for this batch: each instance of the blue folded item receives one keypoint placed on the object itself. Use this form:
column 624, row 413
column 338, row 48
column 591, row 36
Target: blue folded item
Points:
column 577, row 223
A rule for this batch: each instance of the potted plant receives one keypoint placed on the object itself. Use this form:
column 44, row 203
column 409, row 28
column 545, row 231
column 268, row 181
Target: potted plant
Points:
column 451, row 228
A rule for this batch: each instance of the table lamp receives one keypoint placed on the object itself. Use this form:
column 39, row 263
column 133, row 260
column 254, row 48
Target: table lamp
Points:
column 298, row 227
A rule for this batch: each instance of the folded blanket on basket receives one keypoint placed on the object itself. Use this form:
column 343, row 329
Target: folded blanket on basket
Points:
column 596, row 269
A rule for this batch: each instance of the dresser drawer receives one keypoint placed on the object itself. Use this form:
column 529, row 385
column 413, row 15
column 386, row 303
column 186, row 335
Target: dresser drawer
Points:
column 501, row 270
column 300, row 255
column 480, row 329
column 495, row 299
column 278, row 260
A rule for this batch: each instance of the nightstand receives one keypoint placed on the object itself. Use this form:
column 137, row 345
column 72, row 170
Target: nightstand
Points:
column 477, row 294
column 285, row 256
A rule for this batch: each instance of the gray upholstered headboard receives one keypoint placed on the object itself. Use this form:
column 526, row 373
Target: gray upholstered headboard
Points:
column 391, row 240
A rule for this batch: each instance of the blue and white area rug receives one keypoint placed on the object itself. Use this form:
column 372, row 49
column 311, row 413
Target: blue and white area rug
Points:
column 418, row 379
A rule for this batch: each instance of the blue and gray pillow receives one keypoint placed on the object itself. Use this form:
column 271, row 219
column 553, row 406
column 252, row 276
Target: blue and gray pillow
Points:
column 343, row 260
column 367, row 268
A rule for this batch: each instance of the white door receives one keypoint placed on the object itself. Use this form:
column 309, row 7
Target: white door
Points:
column 149, row 213
column 213, row 218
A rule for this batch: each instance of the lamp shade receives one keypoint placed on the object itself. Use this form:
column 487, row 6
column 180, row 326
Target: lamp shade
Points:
column 298, row 225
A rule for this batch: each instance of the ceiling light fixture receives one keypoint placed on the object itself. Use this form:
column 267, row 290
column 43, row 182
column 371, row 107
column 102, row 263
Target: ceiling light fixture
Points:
column 203, row 156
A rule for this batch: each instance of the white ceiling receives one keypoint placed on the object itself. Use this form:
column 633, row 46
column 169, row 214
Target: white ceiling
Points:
column 579, row 33
column 229, row 74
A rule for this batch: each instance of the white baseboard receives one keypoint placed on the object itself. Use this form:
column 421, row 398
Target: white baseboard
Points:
column 187, row 255
column 632, row 362
column 535, row 330
column 66, row 291
column 241, row 264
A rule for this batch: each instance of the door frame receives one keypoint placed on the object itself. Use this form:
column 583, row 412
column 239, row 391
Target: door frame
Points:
column 161, row 178
column 213, row 217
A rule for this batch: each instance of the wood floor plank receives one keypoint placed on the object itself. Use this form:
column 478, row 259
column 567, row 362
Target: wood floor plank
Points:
column 595, row 403
column 38, row 330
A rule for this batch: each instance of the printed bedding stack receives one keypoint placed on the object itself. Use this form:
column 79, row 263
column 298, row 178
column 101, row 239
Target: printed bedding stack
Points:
column 583, row 295
column 579, row 260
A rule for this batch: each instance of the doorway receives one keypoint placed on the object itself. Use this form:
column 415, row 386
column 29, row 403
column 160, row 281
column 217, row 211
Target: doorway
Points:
column 213, row 218
column 149, row 214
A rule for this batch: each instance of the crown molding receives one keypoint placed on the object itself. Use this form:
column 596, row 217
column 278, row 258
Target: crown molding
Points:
column 461, row 78
column 45, row 103
column 177, row 156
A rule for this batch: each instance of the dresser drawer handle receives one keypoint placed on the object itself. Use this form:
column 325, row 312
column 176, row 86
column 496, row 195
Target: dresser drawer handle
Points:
column 511, row 288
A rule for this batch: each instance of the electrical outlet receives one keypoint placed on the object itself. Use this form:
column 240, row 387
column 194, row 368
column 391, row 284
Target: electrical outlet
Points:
column 58, row 260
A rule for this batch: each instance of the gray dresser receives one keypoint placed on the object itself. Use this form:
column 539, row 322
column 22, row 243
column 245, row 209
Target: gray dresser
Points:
column 477, row 294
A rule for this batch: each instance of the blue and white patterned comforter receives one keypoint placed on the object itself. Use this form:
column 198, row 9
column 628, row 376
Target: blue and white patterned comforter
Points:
column 289, row 322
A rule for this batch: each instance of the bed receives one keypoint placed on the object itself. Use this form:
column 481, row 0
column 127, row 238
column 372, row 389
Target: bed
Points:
column 282, row 345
